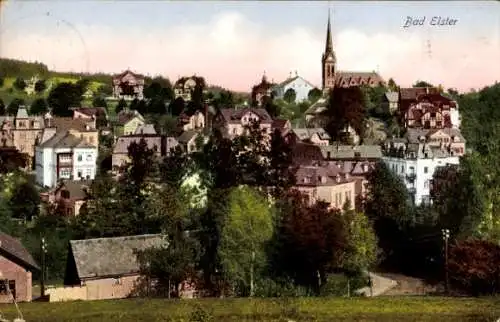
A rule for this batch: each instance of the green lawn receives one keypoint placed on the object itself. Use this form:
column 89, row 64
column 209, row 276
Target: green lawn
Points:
column 399, row 309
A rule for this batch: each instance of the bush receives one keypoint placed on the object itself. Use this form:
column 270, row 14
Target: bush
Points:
column 338, row 284
column 280, row 287
column 474, row 267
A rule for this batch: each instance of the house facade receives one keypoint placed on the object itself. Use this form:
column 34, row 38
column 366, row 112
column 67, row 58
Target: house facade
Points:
column 65, row 157
column 416, row 157
column 160, row 144
column 329, row 184
column 128, row 85
column 189, row 139
column 298, row 84
column 390, row 102
column 105, row 268
column 69, row 195
column 27, row 132
column 232, row 122
column 426, row 107
column 195, row 121
column 16, row 268
column 127, row 122
column 184, row 87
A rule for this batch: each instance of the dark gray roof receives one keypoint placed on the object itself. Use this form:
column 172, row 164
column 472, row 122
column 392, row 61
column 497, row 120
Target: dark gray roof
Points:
column 114, row 256
column 145, row 129
column 351, row 152
column 413, row 135
column 65, row 140
column 187, row 136
column 13, row 249
column 307, row 133
column 318, row 107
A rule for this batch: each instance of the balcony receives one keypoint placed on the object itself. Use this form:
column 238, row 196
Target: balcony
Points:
column 410, row 177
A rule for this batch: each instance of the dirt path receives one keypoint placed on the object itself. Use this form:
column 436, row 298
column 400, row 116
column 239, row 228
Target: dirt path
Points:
column 409, row 285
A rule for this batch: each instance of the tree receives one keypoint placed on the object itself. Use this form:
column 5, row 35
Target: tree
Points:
column 156, row 106
column 290, row 96
column 474, row 267
column 373, row 99
column 281, row 171
column 2, row 81
column 98, row 101
column 421, row 83
column 271, row 108
column 40, row 86
column 314, row 95
column 177, row 106
column 19, row 84
column 64, row 96
column 387, row 204
column 310, row 241
column 25, row 201
column 392, row 85
column 225, row 99
column 362, row 250
column 6, row 223
column 12, row 160
column 346, row 107
column 2, row 107
column 14, row 105
column 39, row 107
column 245, row 234
column 122, row 104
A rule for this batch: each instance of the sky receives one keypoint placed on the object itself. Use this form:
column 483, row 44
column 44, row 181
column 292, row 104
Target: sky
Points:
column 232, row 44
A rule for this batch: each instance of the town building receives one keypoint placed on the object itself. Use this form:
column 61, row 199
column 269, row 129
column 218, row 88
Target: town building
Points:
column 329, row 184
column 6, row 132
column 424, row 107
column 331, row 77
column 262, row 90
column 232, row 122
column 68, row 195
column 27, row 132
column 282, row 125
column 65, row 156
column 16, row 269
column 189, row 140
column 128, row 85
column 160, row 144
column 298, row 84
column 105, row 268
column 338, row 152
column 90, row 113
column 184, row 87
column 390, row 102
column 316, row 136
column 192, row 121
column 127, row 122
column 415, row 157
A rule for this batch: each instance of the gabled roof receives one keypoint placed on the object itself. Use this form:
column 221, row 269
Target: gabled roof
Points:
column 392, row 97
column 63, row 124
column 125, row 116
column 76, row 188
column 279, row 124
column 91, row 111
column 351, row 152
column 121, row 75
column 307, row 133
column 320, row 176
column 234, row 115
column 293, row 79
column 187, row 136
column 65, row 140
column 13, row 249
column 318, row 107
column 107, row 257
column 123, row 142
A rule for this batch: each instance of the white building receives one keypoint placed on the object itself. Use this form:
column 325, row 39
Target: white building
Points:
column 64, row 156
column 301, row 87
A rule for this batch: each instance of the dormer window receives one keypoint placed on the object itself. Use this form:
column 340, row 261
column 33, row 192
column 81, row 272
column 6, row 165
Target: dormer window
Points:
column 306, row 180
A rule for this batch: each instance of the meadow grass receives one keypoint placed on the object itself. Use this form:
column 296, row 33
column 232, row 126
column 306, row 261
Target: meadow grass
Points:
column 436, row 309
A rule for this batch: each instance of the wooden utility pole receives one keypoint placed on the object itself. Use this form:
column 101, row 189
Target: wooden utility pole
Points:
column 446, row 236
column 42, row 281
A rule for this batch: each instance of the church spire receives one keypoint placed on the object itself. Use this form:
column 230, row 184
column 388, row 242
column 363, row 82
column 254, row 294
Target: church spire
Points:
column 329, row 44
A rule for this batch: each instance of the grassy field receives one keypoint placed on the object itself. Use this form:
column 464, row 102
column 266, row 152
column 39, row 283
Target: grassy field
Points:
column 399, row 309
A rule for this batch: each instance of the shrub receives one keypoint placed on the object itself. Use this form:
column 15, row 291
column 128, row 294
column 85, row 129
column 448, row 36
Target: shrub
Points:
column 474, row 267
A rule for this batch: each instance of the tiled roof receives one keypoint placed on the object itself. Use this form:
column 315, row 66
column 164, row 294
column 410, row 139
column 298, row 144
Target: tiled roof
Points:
column 91, row 111
column 320, row 176
column 412, row 93
column 318, row 107
column 105, row 257
column 357, row 77
column 351, row 152
column 69, row 123
column 65, row 140
column 307, row 133
column 413, row 135
column 187, row 136
column 234, row 115
column 123, row 142
column 279, row 124
column 121, row 75
column 13, row 249
column 125, row 116
column 76, row 188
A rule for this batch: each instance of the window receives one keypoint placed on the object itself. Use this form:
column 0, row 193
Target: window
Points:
column 234, row 130
column 80, row 157
column 65, row 173
column 426, row 169
column 89, row 157
column 402, row 169
column 65, row 194
column 426, row 184
column 80, row 174
column 88, row 173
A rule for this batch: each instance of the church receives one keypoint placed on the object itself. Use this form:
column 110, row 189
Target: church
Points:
column 332, row 78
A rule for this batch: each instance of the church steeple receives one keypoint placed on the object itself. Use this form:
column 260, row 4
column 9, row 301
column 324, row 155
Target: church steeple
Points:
column 329, row 44
column 328, row 60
